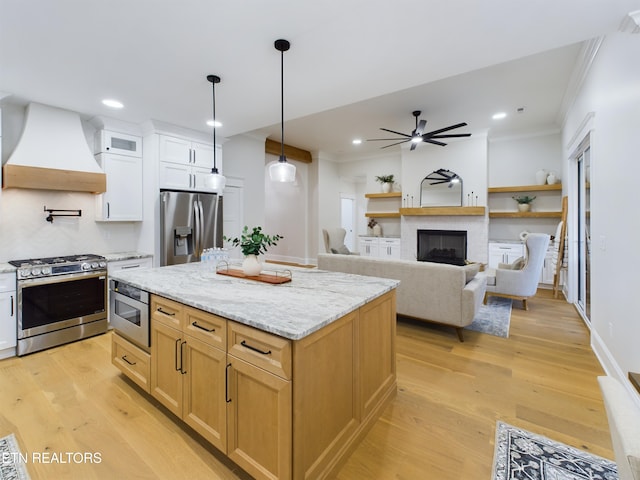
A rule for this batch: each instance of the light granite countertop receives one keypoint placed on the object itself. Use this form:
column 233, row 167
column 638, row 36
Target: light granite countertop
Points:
column 7, row 268
column 117, row 256
column 314, row 298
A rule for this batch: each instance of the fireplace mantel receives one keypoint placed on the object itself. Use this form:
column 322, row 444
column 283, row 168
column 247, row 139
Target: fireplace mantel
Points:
column 442, row 211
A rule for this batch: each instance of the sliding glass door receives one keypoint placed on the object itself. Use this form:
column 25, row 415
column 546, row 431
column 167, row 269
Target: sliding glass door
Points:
column 583, row 233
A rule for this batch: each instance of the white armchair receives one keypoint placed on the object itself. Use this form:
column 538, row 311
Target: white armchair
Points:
column 624, row 423
column 522, row 283
column 334, row 240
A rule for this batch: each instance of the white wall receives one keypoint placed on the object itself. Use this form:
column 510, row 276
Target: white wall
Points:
column 611, row 91
column 514, row 161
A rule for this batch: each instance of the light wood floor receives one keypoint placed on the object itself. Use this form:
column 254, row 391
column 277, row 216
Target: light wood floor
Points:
column 440, row 426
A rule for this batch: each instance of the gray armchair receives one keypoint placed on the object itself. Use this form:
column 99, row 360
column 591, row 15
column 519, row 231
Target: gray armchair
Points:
column 522, row 283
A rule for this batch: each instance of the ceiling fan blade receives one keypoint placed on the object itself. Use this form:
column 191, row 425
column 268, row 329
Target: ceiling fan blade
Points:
column 383, row 139
column 428, row 140
column 413, row 146
column 394, row 144
column 420, row 127
column 451, row 135
column 445, row 129
column 397, row 133
column 439, row 182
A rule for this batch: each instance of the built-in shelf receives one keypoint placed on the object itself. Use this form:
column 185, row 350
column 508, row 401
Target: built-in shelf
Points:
column 383, row 195
column 526, row 188
column 525, row 214
column 383, row 214
column 442, row 211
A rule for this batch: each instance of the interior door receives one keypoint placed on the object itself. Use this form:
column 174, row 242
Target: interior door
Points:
column 347, row 219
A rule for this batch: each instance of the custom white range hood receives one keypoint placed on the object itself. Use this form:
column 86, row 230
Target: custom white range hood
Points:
column 53, row 154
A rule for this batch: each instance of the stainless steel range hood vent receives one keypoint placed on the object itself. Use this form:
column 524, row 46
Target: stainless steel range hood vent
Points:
column 53, row 154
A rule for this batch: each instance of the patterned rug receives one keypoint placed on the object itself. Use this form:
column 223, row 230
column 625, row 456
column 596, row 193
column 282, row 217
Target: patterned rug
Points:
column 11, row 465
column 493, row 318
column 522, row 455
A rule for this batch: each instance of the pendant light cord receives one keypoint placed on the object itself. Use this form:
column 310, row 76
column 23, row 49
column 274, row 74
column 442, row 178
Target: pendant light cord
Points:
column 214, row 79
column 282, row 157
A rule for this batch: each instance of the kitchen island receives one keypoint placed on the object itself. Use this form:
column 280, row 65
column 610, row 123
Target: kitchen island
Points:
column 284, row 379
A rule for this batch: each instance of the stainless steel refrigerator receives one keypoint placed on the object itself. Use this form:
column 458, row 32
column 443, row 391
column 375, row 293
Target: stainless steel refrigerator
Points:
column 189, row 223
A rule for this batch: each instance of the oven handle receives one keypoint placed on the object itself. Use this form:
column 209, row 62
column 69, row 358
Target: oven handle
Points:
column 31, row 282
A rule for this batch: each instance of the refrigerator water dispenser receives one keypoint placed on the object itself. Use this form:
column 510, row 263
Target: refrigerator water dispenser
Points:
column 183, row 241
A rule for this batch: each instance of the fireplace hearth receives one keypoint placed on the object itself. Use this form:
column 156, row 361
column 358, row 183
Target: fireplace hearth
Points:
column 442, row 246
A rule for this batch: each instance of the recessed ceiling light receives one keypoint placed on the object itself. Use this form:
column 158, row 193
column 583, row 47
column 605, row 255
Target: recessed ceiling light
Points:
column 356, row 141
column 109, row 102
column 210, row 123
column 499, row 116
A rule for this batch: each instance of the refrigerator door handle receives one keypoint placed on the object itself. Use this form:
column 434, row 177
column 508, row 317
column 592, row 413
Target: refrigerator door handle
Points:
column 198, row 227
column 201, row 209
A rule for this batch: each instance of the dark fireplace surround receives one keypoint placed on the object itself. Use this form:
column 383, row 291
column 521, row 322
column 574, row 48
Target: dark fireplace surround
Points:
column 442, row 246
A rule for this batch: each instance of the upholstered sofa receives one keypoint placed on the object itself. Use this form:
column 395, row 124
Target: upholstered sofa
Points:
column 433, row 292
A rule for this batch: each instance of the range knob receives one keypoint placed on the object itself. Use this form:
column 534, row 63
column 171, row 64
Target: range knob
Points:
column 36, row 271
column 46, row 270
column 94, row 265
column 103, row 264
column 25, row 272
column 86, row 266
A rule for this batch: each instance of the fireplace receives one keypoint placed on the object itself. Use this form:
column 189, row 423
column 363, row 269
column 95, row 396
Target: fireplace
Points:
column 442, row 246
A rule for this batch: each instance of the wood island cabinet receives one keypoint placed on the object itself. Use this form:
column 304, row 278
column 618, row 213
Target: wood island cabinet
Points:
column 188, row 367
column 278, row 408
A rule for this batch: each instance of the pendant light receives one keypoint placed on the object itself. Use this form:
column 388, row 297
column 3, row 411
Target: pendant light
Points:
column 214, row 181
column 282, row 171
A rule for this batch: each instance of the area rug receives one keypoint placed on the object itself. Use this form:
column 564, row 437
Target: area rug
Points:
column 522, row 455
column 12, row 465
column 493, row 318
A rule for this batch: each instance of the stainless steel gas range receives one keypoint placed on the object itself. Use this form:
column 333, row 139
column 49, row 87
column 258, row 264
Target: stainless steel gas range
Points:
column 59, row 300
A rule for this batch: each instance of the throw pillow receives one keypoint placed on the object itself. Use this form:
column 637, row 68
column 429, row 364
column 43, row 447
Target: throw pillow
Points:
column 343, row 250
column 518, row 264
column 470, row 271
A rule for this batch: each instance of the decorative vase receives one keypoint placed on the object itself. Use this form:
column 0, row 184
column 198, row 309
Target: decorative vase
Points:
column 551, row 178
column 541, row 176
column 377, row 231
column 251, row 266
column 386, row 187
column 524, row 207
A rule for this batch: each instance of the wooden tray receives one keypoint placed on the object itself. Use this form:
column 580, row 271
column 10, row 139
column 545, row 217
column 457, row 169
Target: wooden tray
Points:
column 272, row 278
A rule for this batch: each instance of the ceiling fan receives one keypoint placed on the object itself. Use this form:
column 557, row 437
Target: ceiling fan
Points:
column 417, row 136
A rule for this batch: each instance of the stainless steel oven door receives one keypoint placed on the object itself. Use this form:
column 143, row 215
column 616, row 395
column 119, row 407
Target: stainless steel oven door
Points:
column 130, row 318
column 54, row 303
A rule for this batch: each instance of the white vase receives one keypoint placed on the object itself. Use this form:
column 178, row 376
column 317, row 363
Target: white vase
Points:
column 524, row 207
column 541, row 176
column 386, row 187
column 251, row 266
column 551, row 178
column 377, row 231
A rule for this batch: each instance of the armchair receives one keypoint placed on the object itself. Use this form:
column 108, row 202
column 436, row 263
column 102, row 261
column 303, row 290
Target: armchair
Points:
column 521, row 283
column 334, row 240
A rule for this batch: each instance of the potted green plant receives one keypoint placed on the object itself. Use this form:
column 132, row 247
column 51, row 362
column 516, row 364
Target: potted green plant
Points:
column 386, row 181
column 524, row 202
column 253, row 243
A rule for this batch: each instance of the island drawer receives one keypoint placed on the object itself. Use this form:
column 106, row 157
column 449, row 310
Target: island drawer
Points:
column 167, row 312
column 134, row 362
column 265, row 350
column 209, row 328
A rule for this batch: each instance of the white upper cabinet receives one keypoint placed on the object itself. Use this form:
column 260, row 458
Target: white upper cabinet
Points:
column 184, row 164
column 122, row 201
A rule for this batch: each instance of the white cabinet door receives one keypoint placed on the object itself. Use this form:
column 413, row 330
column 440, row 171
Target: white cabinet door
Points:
column 8, row 320
column 369, row 246
column 129, row 264
column 504, row 253
column 175, row 150
column 176, row 176
column 202, row 156
column 548, row 270
column 389, row 247
column 123, row 199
